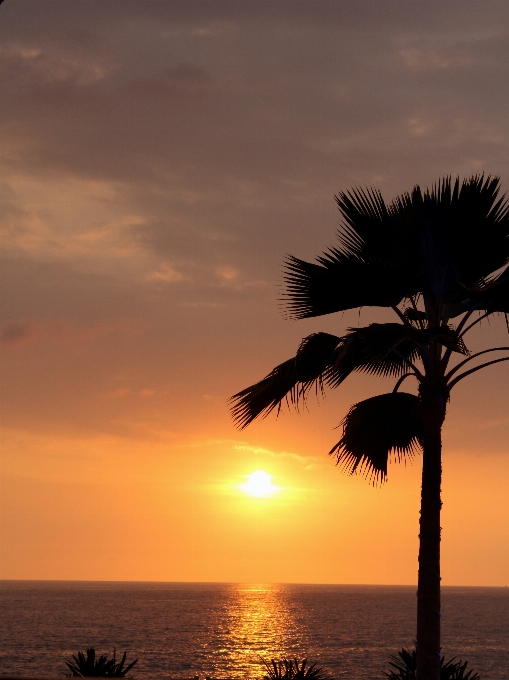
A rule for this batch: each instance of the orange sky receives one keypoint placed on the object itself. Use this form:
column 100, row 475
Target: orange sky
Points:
column 159, row 161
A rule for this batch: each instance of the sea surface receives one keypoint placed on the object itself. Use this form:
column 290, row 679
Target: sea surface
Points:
column 181, row 630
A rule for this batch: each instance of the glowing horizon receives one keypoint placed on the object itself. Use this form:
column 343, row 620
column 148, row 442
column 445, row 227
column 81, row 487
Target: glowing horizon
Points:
column 160, row 161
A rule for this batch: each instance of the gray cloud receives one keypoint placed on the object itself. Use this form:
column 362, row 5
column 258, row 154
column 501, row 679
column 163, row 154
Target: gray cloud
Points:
column 14, row 333
column 162, row 158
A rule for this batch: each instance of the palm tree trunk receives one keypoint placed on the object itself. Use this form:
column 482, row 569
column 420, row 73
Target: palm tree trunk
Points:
column 428, row 589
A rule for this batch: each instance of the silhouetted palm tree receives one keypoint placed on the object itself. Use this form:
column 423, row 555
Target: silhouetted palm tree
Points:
column 431, row 257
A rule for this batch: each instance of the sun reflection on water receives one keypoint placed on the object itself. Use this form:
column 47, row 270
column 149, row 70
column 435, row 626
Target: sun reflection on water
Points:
column 258, row 625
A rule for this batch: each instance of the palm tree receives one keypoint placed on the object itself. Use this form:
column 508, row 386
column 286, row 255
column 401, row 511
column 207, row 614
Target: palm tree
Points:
column 431, row 256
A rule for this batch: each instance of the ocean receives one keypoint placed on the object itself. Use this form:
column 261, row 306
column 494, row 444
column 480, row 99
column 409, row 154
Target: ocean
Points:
column 224, row 630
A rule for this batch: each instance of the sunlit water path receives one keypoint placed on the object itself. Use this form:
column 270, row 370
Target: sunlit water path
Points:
column 224, row 629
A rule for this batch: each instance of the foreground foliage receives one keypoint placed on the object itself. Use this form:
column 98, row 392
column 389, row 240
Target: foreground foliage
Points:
column 404, row 667
column 291, row 669
column 90, row 666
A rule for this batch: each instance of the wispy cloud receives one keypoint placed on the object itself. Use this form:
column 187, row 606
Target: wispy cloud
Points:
column 166, row 273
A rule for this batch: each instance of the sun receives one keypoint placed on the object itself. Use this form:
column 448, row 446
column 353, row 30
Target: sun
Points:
column 259, row 484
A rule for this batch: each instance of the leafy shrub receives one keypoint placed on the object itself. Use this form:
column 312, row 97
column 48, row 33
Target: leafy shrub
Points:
column 405, row 665
column 102, row 667
column 290, row 669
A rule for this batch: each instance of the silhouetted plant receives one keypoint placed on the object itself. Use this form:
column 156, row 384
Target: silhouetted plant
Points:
column 404, row 667
column 433, row 257
column 90, row 666
column 291, row 669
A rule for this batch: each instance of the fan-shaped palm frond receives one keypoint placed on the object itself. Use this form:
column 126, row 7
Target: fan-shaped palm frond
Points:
column 462, row 234
column 475, row 224
column 291, row 380
column 340, row 282
column 375, row 427
column 375, row 232
column 445, row 242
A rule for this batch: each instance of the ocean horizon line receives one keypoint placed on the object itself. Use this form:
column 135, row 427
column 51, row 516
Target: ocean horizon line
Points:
column 239, row 583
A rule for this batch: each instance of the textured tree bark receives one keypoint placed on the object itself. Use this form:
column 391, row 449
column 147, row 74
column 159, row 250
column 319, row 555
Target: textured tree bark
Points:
column 428, row 589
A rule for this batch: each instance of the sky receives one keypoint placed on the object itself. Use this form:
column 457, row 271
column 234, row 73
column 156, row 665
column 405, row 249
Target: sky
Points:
column 159, row 161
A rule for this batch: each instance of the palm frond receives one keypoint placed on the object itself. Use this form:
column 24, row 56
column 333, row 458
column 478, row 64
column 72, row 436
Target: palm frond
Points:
column 414, row 315
column 464, row 235
column 373, row 231
column 338, row 282
column 98, row 667
column 446, row 336
column 444, row 241
column 380, row 349
column 291, row 380
column 375, row 427
column 492, row 298
column 495, row 297
column 386, row 350
column 292, row 669
column 404, row 667
column 476, row 222
column 120, row 671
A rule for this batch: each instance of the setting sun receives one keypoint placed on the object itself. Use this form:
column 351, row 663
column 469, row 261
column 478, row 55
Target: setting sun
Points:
column 259, row 484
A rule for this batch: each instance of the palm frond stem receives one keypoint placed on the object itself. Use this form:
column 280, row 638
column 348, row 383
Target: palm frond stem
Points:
column 474, row 356
column 459, row 329
column 400, row 381
column 419, row 320
column 401, row 316
column 473, row 370
column 487, row 286
column 467, row 316
column 483, row 316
